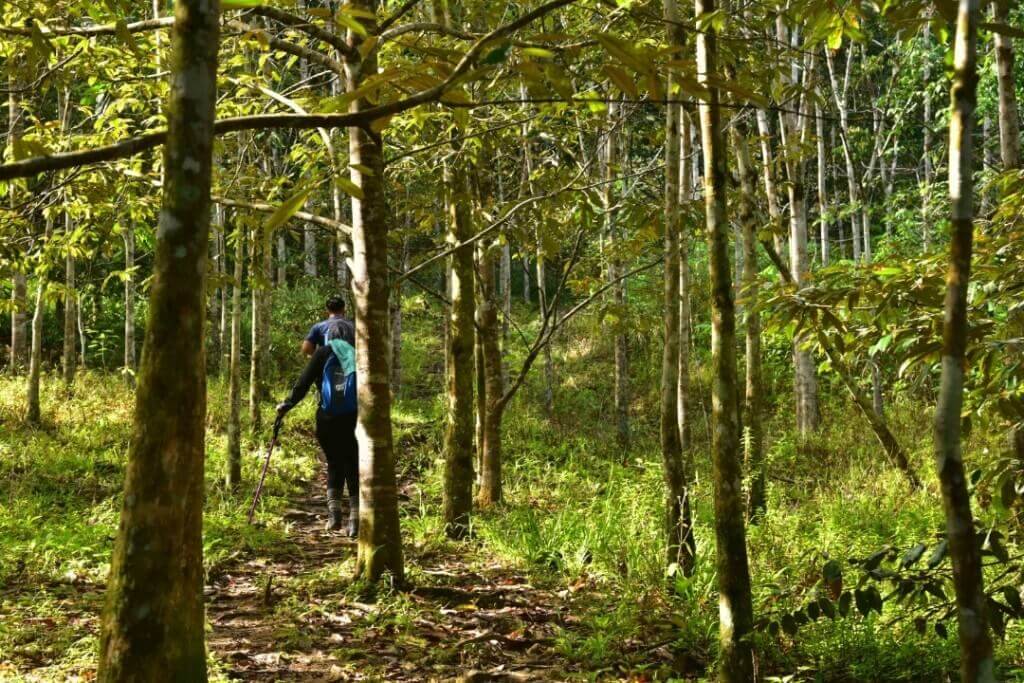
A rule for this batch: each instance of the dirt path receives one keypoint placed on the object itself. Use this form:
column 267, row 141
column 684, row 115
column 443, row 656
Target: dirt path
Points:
column 295, row 616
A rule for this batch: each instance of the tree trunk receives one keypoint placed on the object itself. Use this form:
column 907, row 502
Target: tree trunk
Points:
column 257, row 283
column 233, row 474
column 33, row 414
column 795, row 134
column 380, row 544
column 735, row 606
column 976, row 663
column 282, row 261
column 493, row 383
column 19, row 291
column 619, row 341
column 309, row 250
column 459, row 434
column 69, row 360
column 823, row 208
column 768, row 174
column 153, row 626
column 752, row 407
column 680, row 545
column 686, row 152
column 839, row 94
column 926, row 81
column 526, row 279
column 129, row 304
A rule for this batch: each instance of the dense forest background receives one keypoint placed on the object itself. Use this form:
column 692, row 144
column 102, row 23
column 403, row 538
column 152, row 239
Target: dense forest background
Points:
column 690, row 339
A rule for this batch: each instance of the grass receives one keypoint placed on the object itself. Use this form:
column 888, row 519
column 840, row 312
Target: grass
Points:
column 580, row 517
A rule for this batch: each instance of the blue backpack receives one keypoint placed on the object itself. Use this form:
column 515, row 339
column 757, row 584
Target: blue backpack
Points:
column 338, row 385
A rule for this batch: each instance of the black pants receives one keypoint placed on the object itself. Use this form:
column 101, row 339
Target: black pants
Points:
column 337, row 436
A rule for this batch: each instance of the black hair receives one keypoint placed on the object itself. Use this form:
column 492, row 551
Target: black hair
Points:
column 335, row 304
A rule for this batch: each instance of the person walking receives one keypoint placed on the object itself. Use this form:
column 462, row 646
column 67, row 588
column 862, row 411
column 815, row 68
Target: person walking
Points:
column 332, row 368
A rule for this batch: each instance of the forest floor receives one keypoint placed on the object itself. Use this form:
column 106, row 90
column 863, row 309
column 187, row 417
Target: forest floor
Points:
column 292, row 616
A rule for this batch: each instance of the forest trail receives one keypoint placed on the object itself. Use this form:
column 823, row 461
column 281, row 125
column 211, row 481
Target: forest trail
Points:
column 294, row 616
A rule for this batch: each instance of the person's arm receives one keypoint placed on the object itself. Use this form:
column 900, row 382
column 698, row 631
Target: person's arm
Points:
column 310, row 375
column 309, row 344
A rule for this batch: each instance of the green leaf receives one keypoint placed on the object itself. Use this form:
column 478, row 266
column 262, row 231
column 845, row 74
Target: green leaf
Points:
column 938, row 555
column 914, row 554
column 350, row 188
column 844, row 603
column 239, row 4
column 288, row 208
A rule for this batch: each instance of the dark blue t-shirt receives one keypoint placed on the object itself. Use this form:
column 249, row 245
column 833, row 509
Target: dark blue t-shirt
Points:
column 318, row 333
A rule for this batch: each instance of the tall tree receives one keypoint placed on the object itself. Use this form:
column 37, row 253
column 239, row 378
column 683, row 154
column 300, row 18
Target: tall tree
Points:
column 153, row 625
column 976, row 663
column 678, row 523
column 926, row 133
column 459, row 433
column 233, row 473
column 380, row 544
column 612, row 163
column 736, row 613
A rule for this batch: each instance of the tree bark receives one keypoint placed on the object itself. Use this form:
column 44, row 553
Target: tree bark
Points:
column 153, row 625
column 735, row 605
column 257, row 284
column 233, row 473
column 493, row 382
column 823, row 206
column 459, row 434
column 795, row 133
column 619, row 341
column 839, row 94
column 680, row 542
column 69, row 360
column 19, row 291
column 686, row 152
column 976, row 662
column 380, row 544
column 752, row 407
column 33, row 414
column 129, row 304
column 926, row 81
column 396, row 326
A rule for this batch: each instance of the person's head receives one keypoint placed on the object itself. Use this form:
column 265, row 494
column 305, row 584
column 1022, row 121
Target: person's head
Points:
column 335, row 305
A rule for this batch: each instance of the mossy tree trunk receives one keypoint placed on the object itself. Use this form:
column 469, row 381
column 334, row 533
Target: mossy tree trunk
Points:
column 380, row 544
column 493, row 381
column 735, row 606
column 976, row 663
column 459, row 433
column 153, row 624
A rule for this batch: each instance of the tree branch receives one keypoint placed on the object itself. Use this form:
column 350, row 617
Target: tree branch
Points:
column 289, row 48
column 312, row 30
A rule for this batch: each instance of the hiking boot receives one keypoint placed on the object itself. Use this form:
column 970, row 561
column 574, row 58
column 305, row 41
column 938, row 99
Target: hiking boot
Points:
column 333, row 510
column 353, row 517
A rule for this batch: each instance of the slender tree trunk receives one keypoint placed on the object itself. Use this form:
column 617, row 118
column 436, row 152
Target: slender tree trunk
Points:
column 493, row 382
column 282, row 261
column 768, row 174
column 153, row 626
column 752, row 408
column 257, row 282
column 686, row 152
column 309, row 250
column 459, row 434
column 926, row 233
column 19, row 292
column 233, row 474
column 976, row 663
column 69, row 361
column 823, row 207
column 527, row 298
column 808, row 413
column 380, row 543
column 33, row 414
column 1009, row 152
column 129, row 304
column 619, row 341
column 1009, row 124
column 506, row 289
column 735, row 605
column 839, row 93
column 224, row 320
column 678, row 523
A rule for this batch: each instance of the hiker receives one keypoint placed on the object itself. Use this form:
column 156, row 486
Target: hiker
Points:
column 333, row 369
column 317, row 334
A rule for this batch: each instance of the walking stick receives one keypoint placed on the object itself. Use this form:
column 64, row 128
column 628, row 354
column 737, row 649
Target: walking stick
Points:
column 266, row 463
